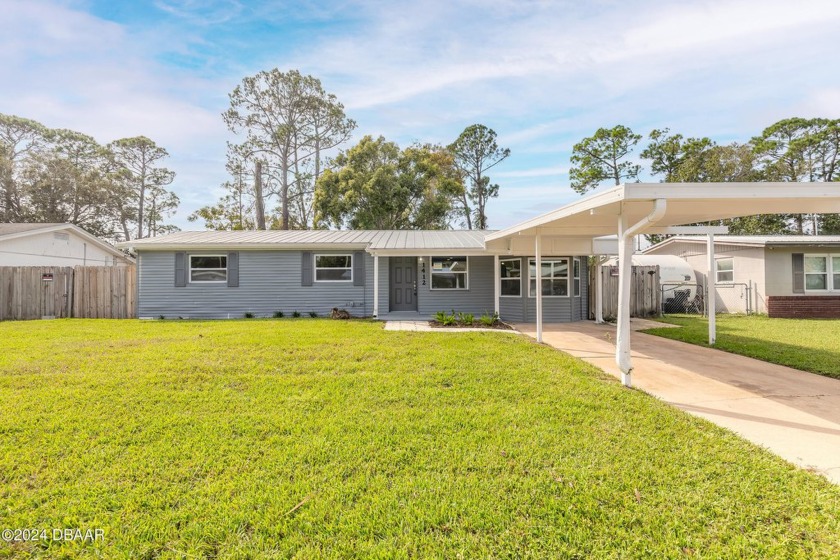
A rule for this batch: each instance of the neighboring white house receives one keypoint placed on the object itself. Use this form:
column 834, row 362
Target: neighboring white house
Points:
column 55, row 245
column 788, row 275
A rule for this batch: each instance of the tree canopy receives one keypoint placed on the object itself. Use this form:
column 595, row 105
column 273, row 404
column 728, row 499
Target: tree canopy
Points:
column 117, row 191
column 289, row 121
column 603, row 157
column 375, row 185
column 790, row 150
column 475, row 152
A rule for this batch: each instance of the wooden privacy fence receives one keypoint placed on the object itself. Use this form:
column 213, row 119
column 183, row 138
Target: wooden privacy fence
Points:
column 37, row 292
column 645, row 294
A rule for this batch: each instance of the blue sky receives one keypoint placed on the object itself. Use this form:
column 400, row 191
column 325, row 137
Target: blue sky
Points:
column 543, row 74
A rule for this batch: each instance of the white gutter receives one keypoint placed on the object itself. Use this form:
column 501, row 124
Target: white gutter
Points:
column 625, row 273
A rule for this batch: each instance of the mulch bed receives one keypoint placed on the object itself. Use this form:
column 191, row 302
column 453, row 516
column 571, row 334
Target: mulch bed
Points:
column 498, row 325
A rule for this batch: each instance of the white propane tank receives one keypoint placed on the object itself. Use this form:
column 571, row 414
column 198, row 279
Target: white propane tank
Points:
column 676, row 277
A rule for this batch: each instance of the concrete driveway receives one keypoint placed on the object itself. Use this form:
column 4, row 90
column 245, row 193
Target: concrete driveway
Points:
column 792, row 413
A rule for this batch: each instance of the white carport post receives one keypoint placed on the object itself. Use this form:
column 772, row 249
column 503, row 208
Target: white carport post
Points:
column 711, row 279
column 599, row 289
column 376, row 286
column 625, row 271
column 497, row 281
column 538, row 273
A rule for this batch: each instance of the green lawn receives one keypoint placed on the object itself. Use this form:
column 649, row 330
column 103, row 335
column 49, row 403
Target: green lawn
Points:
column 807, row 344
column 313, row 438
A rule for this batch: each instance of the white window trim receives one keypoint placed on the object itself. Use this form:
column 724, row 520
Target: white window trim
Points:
column 577, row 288
column 569, row 287
column 501, row 295
column 316, row 268
column 190, row 270
column 466, row 274
column 717, row 271
column 829, row 273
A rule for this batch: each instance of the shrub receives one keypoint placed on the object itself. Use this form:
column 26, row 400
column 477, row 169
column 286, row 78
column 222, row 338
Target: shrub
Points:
column 445, row 318
column 279, row 314
column 466, row 318
column 295, row 313
column 488, row 319
column 249, row 315
column 313, row 314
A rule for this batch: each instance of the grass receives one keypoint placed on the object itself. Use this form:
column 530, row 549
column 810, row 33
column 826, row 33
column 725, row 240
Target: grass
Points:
column 329, row 439
column 806, row 344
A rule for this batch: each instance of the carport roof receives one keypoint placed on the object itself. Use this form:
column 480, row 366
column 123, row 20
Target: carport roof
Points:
column 686, row 203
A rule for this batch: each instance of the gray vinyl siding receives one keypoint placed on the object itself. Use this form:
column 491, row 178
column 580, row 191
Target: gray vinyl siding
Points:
column 383, row 285
column 269, row 281
column 555, row 309
column 477, row 299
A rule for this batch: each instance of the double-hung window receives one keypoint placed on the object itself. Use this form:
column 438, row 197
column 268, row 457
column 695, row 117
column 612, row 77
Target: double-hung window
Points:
column 333, row 268
column 449, row 273
column 822, row 273
column 554, row 277
column 725, row 270
column 510, row 276
column 208, row 268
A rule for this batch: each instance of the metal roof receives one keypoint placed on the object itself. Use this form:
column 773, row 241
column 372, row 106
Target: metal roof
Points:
column 753, row 240
column 372, row 240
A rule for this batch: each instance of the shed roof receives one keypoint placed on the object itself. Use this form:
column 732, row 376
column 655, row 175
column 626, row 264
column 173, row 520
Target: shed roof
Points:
column 372, row 240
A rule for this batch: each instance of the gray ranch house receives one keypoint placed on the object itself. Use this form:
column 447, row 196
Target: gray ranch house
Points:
column 379, row 274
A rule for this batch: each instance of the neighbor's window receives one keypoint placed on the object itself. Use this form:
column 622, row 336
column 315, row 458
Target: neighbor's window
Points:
column 510, row 275
column 449, row 273
column 835, row 268
column 208, row 268
column 576, row 275
column 333, row 268
column 725, row 270
column 554, row 277
column 816, row 272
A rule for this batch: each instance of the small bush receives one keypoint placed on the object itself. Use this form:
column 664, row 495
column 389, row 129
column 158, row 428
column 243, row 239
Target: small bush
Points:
column 295, row 313
column 161, row 317
column 279, row 314
column 439, row 316
column 466, row 318
column 488, row 320
column 448, row 318
column 249, row 315
column 313, row 314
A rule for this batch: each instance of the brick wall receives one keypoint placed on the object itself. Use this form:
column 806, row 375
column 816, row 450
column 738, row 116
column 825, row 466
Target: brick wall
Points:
column 791, row 307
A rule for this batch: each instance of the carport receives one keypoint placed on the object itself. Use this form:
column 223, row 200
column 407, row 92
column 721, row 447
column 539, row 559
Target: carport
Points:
column 626, row 211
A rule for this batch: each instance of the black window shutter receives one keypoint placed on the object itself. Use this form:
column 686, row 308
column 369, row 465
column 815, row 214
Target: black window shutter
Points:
column 180, row 269
column 233, row 269
column 306, row 269
column 359, row 268
column 798, row 262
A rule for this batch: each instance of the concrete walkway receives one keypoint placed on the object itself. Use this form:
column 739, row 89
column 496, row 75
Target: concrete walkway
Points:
column 790, row 412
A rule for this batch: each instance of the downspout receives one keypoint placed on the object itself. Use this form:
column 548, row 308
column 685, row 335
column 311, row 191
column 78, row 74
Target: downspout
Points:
column 625, row 271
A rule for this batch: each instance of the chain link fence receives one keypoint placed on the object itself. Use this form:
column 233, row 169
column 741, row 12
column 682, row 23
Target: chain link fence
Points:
column 690, row 299
column 682, row 298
